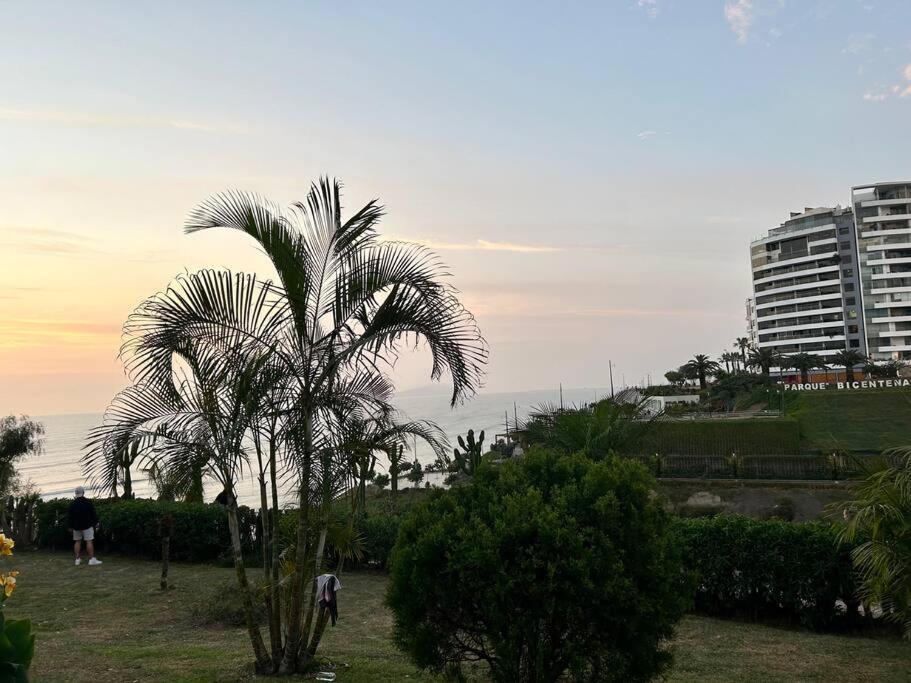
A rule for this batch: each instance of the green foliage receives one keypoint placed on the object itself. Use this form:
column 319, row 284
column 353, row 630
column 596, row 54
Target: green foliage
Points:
column 740, row 390
column 19, row 437
column 381, row 480
column 379, row 534
column 608, row 426
column 416, row 473
column 769, row 570
column 555, row 565
column 700, row 367
column 880, row 526
column 675, row 377
column 468, row 459
column 17, row 647
column 131, row 527
column 723, row 437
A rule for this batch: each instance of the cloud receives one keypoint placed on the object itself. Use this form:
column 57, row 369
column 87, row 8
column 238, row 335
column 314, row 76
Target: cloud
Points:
column 46, row 241
column 858, row 43
column 26, row 332
column 649, row 134
column 478, row 245
column 80, row 120
column 651, row 7
column 739, row 16
column 882, row 93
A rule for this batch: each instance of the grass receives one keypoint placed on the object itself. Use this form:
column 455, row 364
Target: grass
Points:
column 111, row 623
column 862, row 421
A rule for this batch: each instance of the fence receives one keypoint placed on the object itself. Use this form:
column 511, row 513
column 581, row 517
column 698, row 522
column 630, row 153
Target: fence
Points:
column 800, row 467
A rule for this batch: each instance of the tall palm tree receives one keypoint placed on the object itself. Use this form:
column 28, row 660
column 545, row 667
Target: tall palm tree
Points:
column 848, row 359
column 764, row 358
column 348, row 301
column 879, row 518
column 702, row 366
column 804, row 362
column 743, row 343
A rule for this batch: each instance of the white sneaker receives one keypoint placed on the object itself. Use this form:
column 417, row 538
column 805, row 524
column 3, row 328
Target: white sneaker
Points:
column 94, row 562
column 78, row 561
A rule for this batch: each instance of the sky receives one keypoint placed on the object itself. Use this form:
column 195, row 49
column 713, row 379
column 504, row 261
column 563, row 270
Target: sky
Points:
column 592, row 174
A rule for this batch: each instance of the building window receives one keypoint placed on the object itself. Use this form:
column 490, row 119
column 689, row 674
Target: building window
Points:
column 855, row 343
column 852, row 313
column 849, row 286
column 852, row 329
column 849, row 301
column 845, row 245
column 848, row 272
column 844, row 231
column 846, row 258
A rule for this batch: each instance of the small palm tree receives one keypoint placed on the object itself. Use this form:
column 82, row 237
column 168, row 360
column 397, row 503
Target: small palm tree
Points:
column 848, row 359
column 702, row 366
column 743, row 343
column 764, row 359
column 804, row 362
column 880, row 519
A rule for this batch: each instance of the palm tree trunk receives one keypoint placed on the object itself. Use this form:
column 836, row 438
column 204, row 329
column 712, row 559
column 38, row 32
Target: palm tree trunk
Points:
column 321, row 621
column 317, row 570
column 263, row 663
column 849, row 373
column 127, row 482
column 299, row 578
column 274, row 585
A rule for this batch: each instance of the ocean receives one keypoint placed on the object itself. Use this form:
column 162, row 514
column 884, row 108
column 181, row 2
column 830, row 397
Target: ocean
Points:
column 57, row 470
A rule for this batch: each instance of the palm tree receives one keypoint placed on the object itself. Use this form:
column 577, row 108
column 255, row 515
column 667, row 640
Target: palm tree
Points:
column 743, row 343
column 879, row 518
column 804, row 362
column 848, row 359
column 346, row 303
column 702, row 366
column 615, row 425
column 764, row 358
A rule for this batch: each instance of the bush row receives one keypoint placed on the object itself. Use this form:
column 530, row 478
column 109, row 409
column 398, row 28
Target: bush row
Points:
column 722, row 437
column 132, row 527
column 769, row 570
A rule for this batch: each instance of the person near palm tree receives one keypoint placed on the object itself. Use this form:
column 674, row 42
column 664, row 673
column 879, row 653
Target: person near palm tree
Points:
column 83, row 521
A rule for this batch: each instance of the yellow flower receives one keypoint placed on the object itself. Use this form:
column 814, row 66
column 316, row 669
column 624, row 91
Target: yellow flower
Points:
column 6, row 545
column 9, row 582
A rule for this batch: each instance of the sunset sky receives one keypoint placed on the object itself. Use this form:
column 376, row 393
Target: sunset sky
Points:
column 592, row 174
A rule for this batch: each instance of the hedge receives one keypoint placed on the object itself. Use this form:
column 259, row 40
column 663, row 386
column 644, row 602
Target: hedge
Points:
column 769, row 570
column 761, row 436
column 131, row 527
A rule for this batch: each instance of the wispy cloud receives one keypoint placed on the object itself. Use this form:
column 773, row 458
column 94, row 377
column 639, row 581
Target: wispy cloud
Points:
column 858, row 43
column 45, row 241
column 882, row 93
column 27, row 332
column 739, row 16
column 478, row 245
column 649, row 134
column 83, row 119
column 651, row 7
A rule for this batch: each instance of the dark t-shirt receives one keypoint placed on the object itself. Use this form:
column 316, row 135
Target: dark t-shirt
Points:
column 82, row 514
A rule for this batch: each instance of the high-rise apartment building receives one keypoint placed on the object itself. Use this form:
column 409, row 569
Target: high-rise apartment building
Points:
column 806, row 285
column 882, row 214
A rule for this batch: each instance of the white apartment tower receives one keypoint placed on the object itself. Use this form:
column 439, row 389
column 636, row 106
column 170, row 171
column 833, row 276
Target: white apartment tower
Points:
column 882, row 213
column 806, row 288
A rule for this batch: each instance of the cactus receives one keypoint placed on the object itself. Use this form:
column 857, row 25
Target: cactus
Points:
column 469, row 458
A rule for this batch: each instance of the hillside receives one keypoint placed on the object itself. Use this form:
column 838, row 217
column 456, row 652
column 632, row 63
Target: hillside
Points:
column 864, row 421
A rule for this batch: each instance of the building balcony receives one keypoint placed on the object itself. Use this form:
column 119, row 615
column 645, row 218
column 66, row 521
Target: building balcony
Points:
column 796, row 288
column 796, row 273
column 800, row 314
column 803, row 258
column 888, row 261
column 894, row 319
column 805, row 326
column 890, row 290
column 885, row 233
column 884, row 247
column 897, row 347
column 802, row 340
column 888, row 217
column 799, row 300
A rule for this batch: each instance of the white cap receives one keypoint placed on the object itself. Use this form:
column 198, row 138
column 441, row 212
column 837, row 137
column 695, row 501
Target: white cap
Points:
column 80, row 492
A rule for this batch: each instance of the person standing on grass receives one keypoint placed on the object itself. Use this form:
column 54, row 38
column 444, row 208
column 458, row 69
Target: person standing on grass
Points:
column 83, row 521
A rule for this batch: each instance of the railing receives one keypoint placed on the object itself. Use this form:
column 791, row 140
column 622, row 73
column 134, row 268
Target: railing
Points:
column 784, row 467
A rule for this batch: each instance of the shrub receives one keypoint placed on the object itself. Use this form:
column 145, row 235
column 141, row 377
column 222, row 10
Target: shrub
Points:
column 379, row 533
column 131, row 527
column 548, row 566
column 769, row 569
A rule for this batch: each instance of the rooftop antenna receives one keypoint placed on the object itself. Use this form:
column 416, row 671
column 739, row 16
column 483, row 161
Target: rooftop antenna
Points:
column 515, row 416
column 506, row 422
column 561, row 396
column 610, row 369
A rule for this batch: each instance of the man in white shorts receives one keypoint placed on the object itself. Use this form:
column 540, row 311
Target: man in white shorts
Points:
column 83, row 521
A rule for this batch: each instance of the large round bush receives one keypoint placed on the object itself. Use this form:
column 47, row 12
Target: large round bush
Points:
column 548, row 567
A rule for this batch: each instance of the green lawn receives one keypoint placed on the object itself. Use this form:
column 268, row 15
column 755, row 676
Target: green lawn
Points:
column 111, row 623
column 867, row 421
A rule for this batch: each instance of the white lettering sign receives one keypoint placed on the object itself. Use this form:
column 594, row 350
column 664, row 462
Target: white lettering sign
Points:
column 857, row 384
